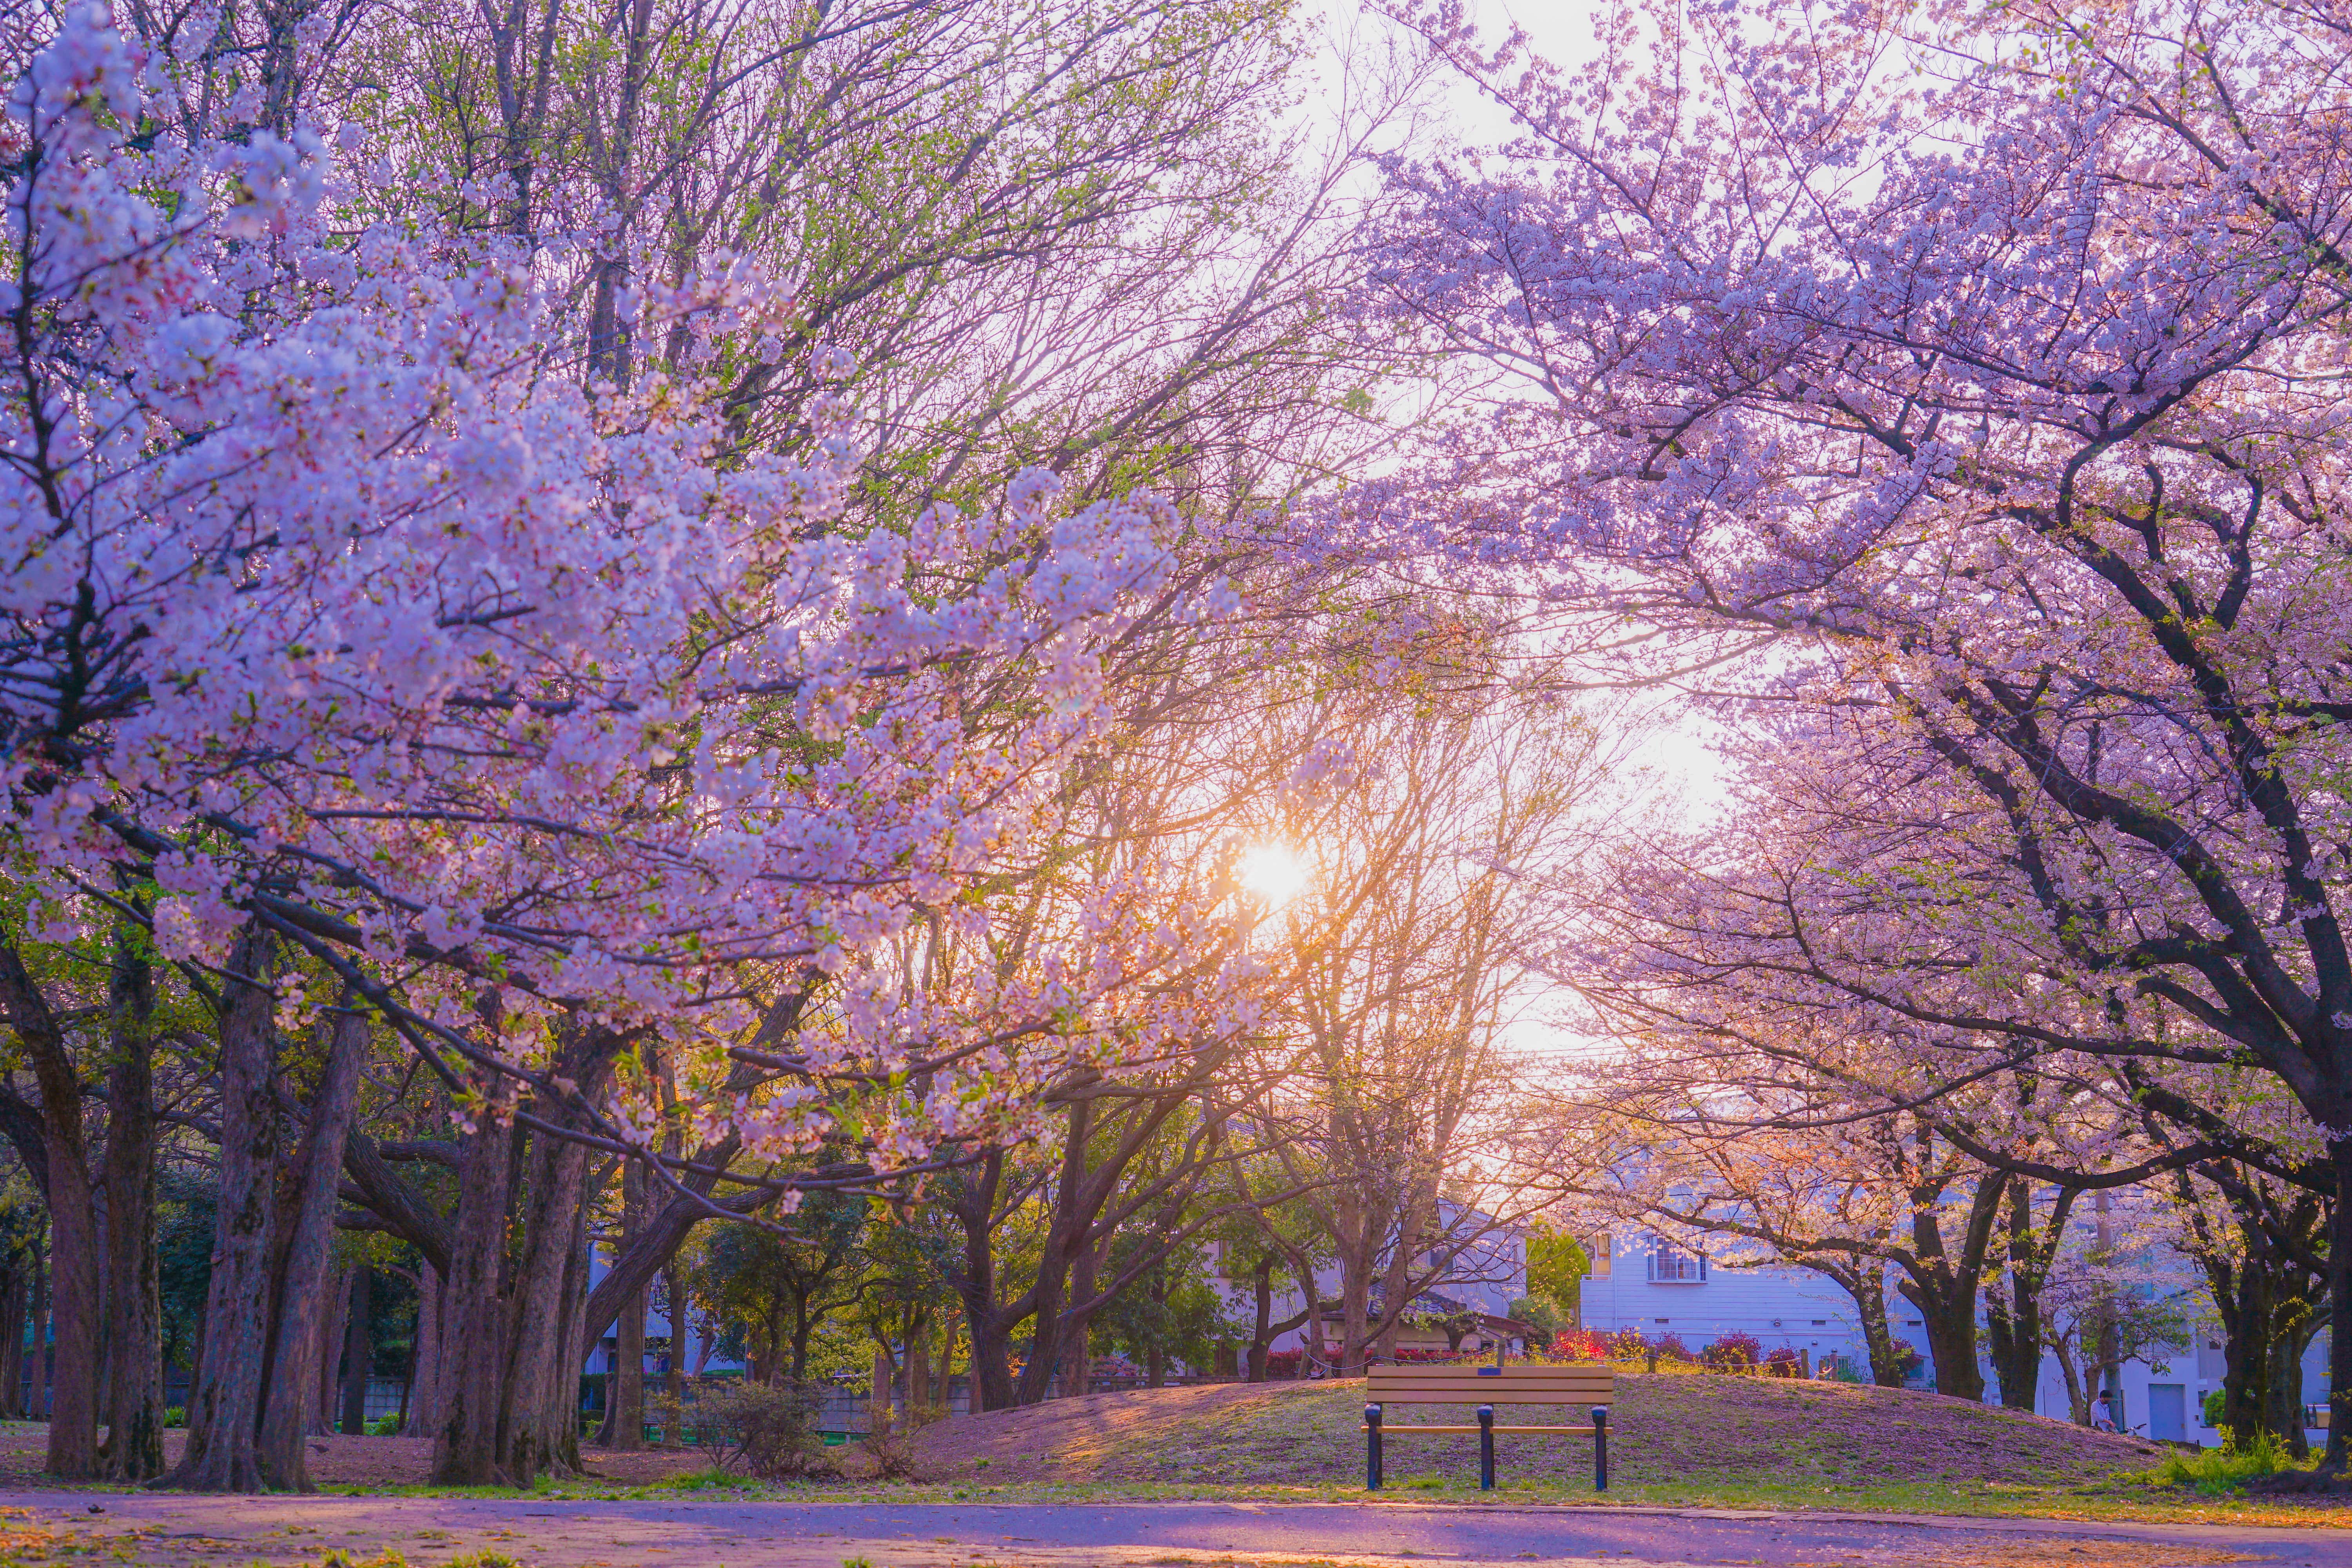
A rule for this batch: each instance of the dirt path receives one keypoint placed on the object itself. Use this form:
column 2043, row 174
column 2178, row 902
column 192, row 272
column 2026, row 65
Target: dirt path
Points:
column 340, row 1461
column 158, row 1531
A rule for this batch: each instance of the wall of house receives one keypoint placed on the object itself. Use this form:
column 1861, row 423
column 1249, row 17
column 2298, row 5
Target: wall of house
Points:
column 1803, row 1310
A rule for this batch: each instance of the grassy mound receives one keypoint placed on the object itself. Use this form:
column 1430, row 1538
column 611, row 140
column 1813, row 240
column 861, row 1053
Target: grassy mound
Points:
column 1677, row 1432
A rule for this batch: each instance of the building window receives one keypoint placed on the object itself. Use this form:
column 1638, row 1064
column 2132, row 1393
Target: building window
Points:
column 1671, row 1265
column 1600, row 1256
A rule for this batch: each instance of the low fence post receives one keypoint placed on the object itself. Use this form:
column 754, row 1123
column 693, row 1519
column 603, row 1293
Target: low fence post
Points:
column 1600, row 1448
column 1372, row 1448
column 1486, row 1447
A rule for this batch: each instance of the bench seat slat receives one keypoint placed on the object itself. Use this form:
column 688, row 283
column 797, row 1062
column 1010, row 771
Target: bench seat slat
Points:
column 1387, row 1430
column 1421, row 1390
column 1571, row 1395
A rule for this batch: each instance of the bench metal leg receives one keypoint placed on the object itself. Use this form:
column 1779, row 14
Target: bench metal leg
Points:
column 1600, row 1448
column 1372, row 1448
column 1486, row 1447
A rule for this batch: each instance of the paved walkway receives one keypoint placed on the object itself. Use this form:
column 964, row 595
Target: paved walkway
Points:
column 163, row 1531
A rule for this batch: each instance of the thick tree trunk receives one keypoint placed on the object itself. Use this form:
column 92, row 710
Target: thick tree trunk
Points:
column 1355, row 1313
column 1396, row 1281
column 1066, row 1240
column 510, row 1395
column 563, row 1406
column 537, row 1428
column 425, row 1370
column 2339, row 1314
column 1877, row 1333
column 301, row 1345
column 15, row 1304
column 224, row 1406
column 74, row 1296
column 474, row 1339
column 1952, row 1342
column 629, row 1363
column 2014, row 1343
column 326, row 1367
column 134, row 1394
column 2283, row 1409
column 356, row 1352
column 972, row 1202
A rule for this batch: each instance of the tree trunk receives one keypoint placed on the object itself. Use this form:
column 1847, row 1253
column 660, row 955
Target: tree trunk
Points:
column 2339, row 1314
column 1262, row 1325
column 326, row 1368
column 36, row 1376
column 301, row 1347
column 425, row 1371
column 357, row 1351
column 224, row 1406
column 134, row 1394
column 673, row 1368
column 1355, row 1313
column 1077, row 1355
column 970, row 1198
column 2282, row 1410
column 74, row 1297
column 473, row 1333
column 509, row 1417
column 15, row 1304
column 563, row 1397
column 629, row 1364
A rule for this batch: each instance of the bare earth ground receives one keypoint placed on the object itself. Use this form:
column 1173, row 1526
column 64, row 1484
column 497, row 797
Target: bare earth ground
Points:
column 340, row 1461
column 1662, row 1428
column 53, row 1529
column 1102, row 1482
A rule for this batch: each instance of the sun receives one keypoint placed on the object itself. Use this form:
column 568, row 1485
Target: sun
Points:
column 1275, row 872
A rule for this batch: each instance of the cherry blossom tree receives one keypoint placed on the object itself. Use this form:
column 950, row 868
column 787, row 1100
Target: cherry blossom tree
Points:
column 1979, row 366
column 539, row 717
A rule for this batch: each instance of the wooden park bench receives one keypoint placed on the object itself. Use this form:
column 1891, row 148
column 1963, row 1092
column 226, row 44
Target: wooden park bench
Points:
column 1486, row 1387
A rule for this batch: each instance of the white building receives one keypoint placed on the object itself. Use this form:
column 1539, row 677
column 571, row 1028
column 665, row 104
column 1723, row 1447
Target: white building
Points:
column 1639, row 1281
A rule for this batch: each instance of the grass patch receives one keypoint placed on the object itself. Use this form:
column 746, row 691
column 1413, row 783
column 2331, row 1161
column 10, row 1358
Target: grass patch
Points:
column 2217, row 1472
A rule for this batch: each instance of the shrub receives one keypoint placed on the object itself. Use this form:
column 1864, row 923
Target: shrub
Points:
column 2214, row 1399
column 384, row 1426
column 1670, row 1347
column 1731, row 1352
column 890, row 1439
column 1284, row 1363
column 1599, row 1344
column 175, row 1416
column 2214, row 1471
column 1538, row 1312
column 760, row 1428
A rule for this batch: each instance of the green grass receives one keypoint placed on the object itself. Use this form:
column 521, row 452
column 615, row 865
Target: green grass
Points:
column 2217, row 1472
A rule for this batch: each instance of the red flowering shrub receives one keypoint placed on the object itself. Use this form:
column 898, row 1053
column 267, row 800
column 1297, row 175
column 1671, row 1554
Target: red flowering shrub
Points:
column 1732, row 1352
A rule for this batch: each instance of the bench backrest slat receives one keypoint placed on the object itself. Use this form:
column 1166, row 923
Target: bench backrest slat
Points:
column 1517, row 1386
